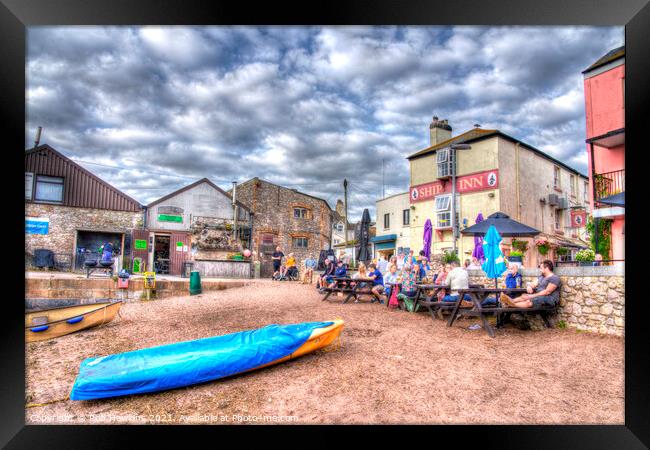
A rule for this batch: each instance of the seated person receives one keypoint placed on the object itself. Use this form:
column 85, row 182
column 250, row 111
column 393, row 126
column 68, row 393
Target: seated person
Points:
column 424, row 267
column 545, row 291
column 310, row 265
column 475, row 264
column 290, row 263
column 440, row 278
column 326, row 276
column 339, row 272
column 512, row 280
column 390, row 279
column 457, row 279
column 416, row 272
column 377, row 284
column 409, row 289
column 362, row 272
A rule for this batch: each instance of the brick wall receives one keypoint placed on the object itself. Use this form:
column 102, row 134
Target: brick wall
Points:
column 273, row 205
column 65, row 221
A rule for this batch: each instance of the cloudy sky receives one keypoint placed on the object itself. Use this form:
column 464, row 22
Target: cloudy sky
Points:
column 152, row 109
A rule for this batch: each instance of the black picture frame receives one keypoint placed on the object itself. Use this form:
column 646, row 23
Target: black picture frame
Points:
column 16, row 15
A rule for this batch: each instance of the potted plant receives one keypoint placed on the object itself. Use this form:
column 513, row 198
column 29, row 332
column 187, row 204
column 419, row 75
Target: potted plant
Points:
column 448, row 257
column 522, row 246
column 515, row 256
column 585, row 257
column 543, row 246
column 562, row 251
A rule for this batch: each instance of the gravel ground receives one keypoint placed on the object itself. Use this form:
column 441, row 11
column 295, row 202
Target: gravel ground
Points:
column 393, row 367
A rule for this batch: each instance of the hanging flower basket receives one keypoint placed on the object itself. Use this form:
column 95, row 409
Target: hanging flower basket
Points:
column 543, row 246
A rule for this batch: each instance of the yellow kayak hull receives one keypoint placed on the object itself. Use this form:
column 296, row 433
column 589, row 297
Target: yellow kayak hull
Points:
column 52, row 323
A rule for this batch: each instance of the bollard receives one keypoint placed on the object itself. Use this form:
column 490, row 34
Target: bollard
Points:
column 195, row 283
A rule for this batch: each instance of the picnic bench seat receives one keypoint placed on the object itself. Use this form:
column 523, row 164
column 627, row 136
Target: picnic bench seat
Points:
column 343, row 285
column 479, row 294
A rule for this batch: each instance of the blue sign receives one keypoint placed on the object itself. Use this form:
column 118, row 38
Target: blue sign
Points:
column 37, row 225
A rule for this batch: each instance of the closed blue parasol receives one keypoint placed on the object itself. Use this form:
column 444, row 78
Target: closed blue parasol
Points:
column 494, row 264
column 478, row 242
column 427, row 238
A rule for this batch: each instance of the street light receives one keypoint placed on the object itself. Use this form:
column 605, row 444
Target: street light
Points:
column 452, row 163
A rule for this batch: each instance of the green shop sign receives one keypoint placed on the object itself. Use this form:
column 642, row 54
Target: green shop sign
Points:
column 170, row 218
column 140, row 244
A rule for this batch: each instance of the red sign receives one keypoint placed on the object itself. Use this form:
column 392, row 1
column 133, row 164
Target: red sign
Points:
column 467, row 183
column 578, row 219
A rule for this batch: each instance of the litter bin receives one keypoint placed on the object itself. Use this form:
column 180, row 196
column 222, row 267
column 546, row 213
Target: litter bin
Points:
column 195, row 283
column 123, row 279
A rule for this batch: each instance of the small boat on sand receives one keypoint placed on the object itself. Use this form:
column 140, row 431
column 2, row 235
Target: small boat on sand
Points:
column 185, row 363
column 50, row 323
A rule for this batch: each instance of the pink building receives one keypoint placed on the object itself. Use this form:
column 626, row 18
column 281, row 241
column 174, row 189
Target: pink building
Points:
column 605, row 111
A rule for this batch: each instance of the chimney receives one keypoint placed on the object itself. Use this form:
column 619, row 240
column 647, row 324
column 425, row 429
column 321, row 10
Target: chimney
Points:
column 439, row 130
column 38, row 137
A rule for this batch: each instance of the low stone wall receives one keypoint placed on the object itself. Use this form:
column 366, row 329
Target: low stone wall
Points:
column 591, row 298
column 105, row 289
column 223, row 269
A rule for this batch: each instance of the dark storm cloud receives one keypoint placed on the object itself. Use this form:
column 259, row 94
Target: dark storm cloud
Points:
column 300, row 106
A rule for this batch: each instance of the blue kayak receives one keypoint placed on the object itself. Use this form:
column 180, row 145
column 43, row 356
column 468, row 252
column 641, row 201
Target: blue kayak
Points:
column 186, row 363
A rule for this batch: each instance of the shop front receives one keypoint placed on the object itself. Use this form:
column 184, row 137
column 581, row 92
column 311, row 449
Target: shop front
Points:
column 384, row 246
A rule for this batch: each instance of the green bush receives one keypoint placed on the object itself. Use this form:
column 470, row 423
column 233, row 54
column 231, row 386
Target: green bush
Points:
column 585, row 255
column 448, row 257
column 516, row 253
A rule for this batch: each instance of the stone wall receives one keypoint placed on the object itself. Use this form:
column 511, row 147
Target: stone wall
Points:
column 591, row 298
column 65, row 221
column 273, row 205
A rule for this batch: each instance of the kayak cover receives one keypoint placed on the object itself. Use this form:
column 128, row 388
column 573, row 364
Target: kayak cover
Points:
column 184, row 363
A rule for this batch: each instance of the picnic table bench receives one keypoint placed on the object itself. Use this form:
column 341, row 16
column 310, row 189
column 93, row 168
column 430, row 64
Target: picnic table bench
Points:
column 478, row 295
column 344, row 285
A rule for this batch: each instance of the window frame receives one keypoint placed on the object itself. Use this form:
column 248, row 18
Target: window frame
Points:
column 558, row 219
column 31, row 188
column 386, row 221
column 35, row 189
column 304, row 212
column 573, row 187
column 296, row 239
column 406, row 217
column 556, row 178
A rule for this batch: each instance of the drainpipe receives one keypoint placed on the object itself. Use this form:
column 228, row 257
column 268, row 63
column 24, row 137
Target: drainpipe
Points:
column 234, row 209
column 517, row 181
column 593, row 202
column 144, row 221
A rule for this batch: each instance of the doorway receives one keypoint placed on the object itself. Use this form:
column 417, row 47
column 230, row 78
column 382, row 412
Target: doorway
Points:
column 161, row 254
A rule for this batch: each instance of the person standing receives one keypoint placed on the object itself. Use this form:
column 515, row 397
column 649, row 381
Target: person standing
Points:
column 277, row 261
column 400, row 261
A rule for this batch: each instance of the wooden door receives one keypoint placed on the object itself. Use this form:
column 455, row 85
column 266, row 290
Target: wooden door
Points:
column 267, row 244
column 140, row 248
column 179, row 249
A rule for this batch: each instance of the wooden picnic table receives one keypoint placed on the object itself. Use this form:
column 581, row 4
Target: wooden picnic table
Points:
column 344, row 285
column 478, row 295
column 430, row 301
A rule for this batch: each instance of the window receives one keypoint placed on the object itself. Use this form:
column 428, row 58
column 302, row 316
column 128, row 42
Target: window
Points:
column 300, row 213
column 406, row 217
column 558, row 219
column 300, row 242
column 339, row 227
column 556, row 177
column 573, row 185
column 49, row 189
column 336, row 241
column 442, row 159
column 443, row 213
column 586, row 193
column 29, row 185
column 386, row 221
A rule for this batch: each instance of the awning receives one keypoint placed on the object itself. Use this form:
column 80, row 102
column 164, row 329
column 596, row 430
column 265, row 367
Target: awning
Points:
column 566, row 242
column 608, row 140
column 384, row 238
column 614, row 200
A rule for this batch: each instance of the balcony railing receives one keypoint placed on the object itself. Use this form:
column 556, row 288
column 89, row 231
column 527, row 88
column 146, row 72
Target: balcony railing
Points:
column 608, row 183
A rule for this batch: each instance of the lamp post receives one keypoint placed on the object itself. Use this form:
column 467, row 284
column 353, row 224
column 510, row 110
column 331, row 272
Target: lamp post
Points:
column 452, row 162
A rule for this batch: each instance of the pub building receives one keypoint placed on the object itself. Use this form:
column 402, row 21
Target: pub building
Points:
column 494, row 172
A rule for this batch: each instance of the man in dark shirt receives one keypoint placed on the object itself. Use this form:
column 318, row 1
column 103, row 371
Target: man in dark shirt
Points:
column 277, row 261
column 543, row 292
column 326, row 277
column 377, row 284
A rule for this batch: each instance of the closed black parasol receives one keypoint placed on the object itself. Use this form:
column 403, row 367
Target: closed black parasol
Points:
column 506, row 227
column 364, row 237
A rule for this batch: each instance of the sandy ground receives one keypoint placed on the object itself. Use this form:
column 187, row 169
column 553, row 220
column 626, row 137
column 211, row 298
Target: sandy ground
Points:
column 393, row 367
